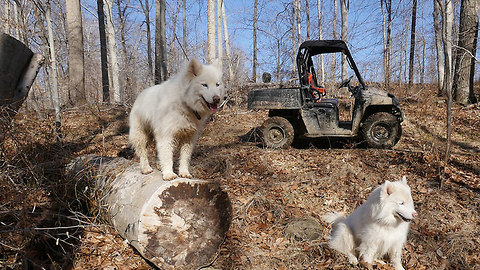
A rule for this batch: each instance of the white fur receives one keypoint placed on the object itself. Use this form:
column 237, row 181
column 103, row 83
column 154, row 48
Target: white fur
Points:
column 375, row 228
column 168, row 114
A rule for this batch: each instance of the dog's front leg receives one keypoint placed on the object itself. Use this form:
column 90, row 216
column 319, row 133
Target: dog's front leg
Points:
column 186, row 150
column 165, row 157
column 396, row 257
column 367, row 252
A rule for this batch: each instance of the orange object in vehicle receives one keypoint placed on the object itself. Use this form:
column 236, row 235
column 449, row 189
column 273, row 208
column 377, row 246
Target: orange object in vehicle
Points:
column 317, row 92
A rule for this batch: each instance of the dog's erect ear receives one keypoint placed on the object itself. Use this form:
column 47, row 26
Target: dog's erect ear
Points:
column 388, row 188
column 404, row 179
column 194, row 69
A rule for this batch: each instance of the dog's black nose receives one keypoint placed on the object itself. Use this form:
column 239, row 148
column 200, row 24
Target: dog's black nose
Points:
column 216, row 99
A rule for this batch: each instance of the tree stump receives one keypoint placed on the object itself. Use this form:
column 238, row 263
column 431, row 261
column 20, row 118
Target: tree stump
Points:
column 178, row 224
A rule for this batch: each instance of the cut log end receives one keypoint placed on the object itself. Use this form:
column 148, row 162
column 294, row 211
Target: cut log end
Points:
column 192, row 219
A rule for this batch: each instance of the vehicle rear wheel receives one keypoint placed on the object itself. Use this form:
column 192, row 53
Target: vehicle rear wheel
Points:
column 277, row 132
column 381, row 130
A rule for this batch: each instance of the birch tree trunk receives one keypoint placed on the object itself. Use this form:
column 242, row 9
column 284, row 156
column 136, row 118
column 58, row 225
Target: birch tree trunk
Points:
column 184, row 27
column 344, row 5
column 210, row 31
column 112, row 52
column 178, row 224
column 447, row 27
column 439, row 46
column 465, row 64
column 254, row 68
column 412, row 43
column 76, row 64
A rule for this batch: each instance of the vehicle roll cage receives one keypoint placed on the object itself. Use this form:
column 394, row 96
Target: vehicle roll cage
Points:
column 310, row 48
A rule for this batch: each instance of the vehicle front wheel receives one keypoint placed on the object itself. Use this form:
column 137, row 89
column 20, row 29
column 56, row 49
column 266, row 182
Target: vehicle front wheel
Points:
column 277, row 132
column 381, row 130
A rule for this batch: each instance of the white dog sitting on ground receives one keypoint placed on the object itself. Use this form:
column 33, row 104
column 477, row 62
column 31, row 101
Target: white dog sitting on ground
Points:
column 376, row 228
column 174, row 114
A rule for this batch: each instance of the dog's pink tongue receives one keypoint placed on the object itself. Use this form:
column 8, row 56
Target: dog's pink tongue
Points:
column 213, row 107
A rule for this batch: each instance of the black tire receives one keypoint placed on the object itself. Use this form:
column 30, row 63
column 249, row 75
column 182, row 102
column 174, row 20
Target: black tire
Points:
column 381, row 130
column 277, row 132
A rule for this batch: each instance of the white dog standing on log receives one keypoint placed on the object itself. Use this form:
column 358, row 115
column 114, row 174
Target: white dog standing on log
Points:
column 376, row 228
column 174, row 114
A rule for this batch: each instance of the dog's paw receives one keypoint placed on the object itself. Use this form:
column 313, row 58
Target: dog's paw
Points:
column 146, row 170
column 185, row 175
column 352, row 259
column 169, row 176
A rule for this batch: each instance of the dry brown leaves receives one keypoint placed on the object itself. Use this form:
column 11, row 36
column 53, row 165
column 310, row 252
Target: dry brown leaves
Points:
column 270, row 190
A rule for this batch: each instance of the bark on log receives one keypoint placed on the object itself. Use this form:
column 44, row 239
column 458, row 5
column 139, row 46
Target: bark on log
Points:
column 18, row 68
column 178, row 224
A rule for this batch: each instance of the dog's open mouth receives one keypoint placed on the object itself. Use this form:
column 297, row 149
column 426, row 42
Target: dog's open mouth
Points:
column 212, row 106
column 403, row 218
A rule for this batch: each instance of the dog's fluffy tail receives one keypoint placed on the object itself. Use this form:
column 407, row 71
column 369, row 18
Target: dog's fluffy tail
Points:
column 333, row 218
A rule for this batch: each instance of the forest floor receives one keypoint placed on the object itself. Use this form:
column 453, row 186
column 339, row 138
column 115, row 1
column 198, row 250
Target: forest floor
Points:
column 278, row 196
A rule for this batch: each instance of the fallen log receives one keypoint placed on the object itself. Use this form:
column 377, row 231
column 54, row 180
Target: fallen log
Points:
column 178, row 224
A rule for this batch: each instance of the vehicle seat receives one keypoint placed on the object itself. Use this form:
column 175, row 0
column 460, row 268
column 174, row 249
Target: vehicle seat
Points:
column 317, row 92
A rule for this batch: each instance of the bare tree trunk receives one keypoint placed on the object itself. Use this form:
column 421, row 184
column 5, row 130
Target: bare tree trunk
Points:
column 16, row 20
column 254, row 68
column 160, row 43
column 298, row 17
column 219, row 32
column 468, row 30
column 344, row 5
column 387, row 40
column 321, row 64
column 439, row 46
column 422, row 73
column 227, row 44
column 210, row 31
column 53, row 69
column 76, row 62
column 103, row 52
column 307, row 14
column 178, row 224
column 447, row 27
column 184, row 27
column 112, row 52
column 334, row 34
column 294, row 42
column 146, row 11
column 412, row 43
column 122, row 17
column 175, row 10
